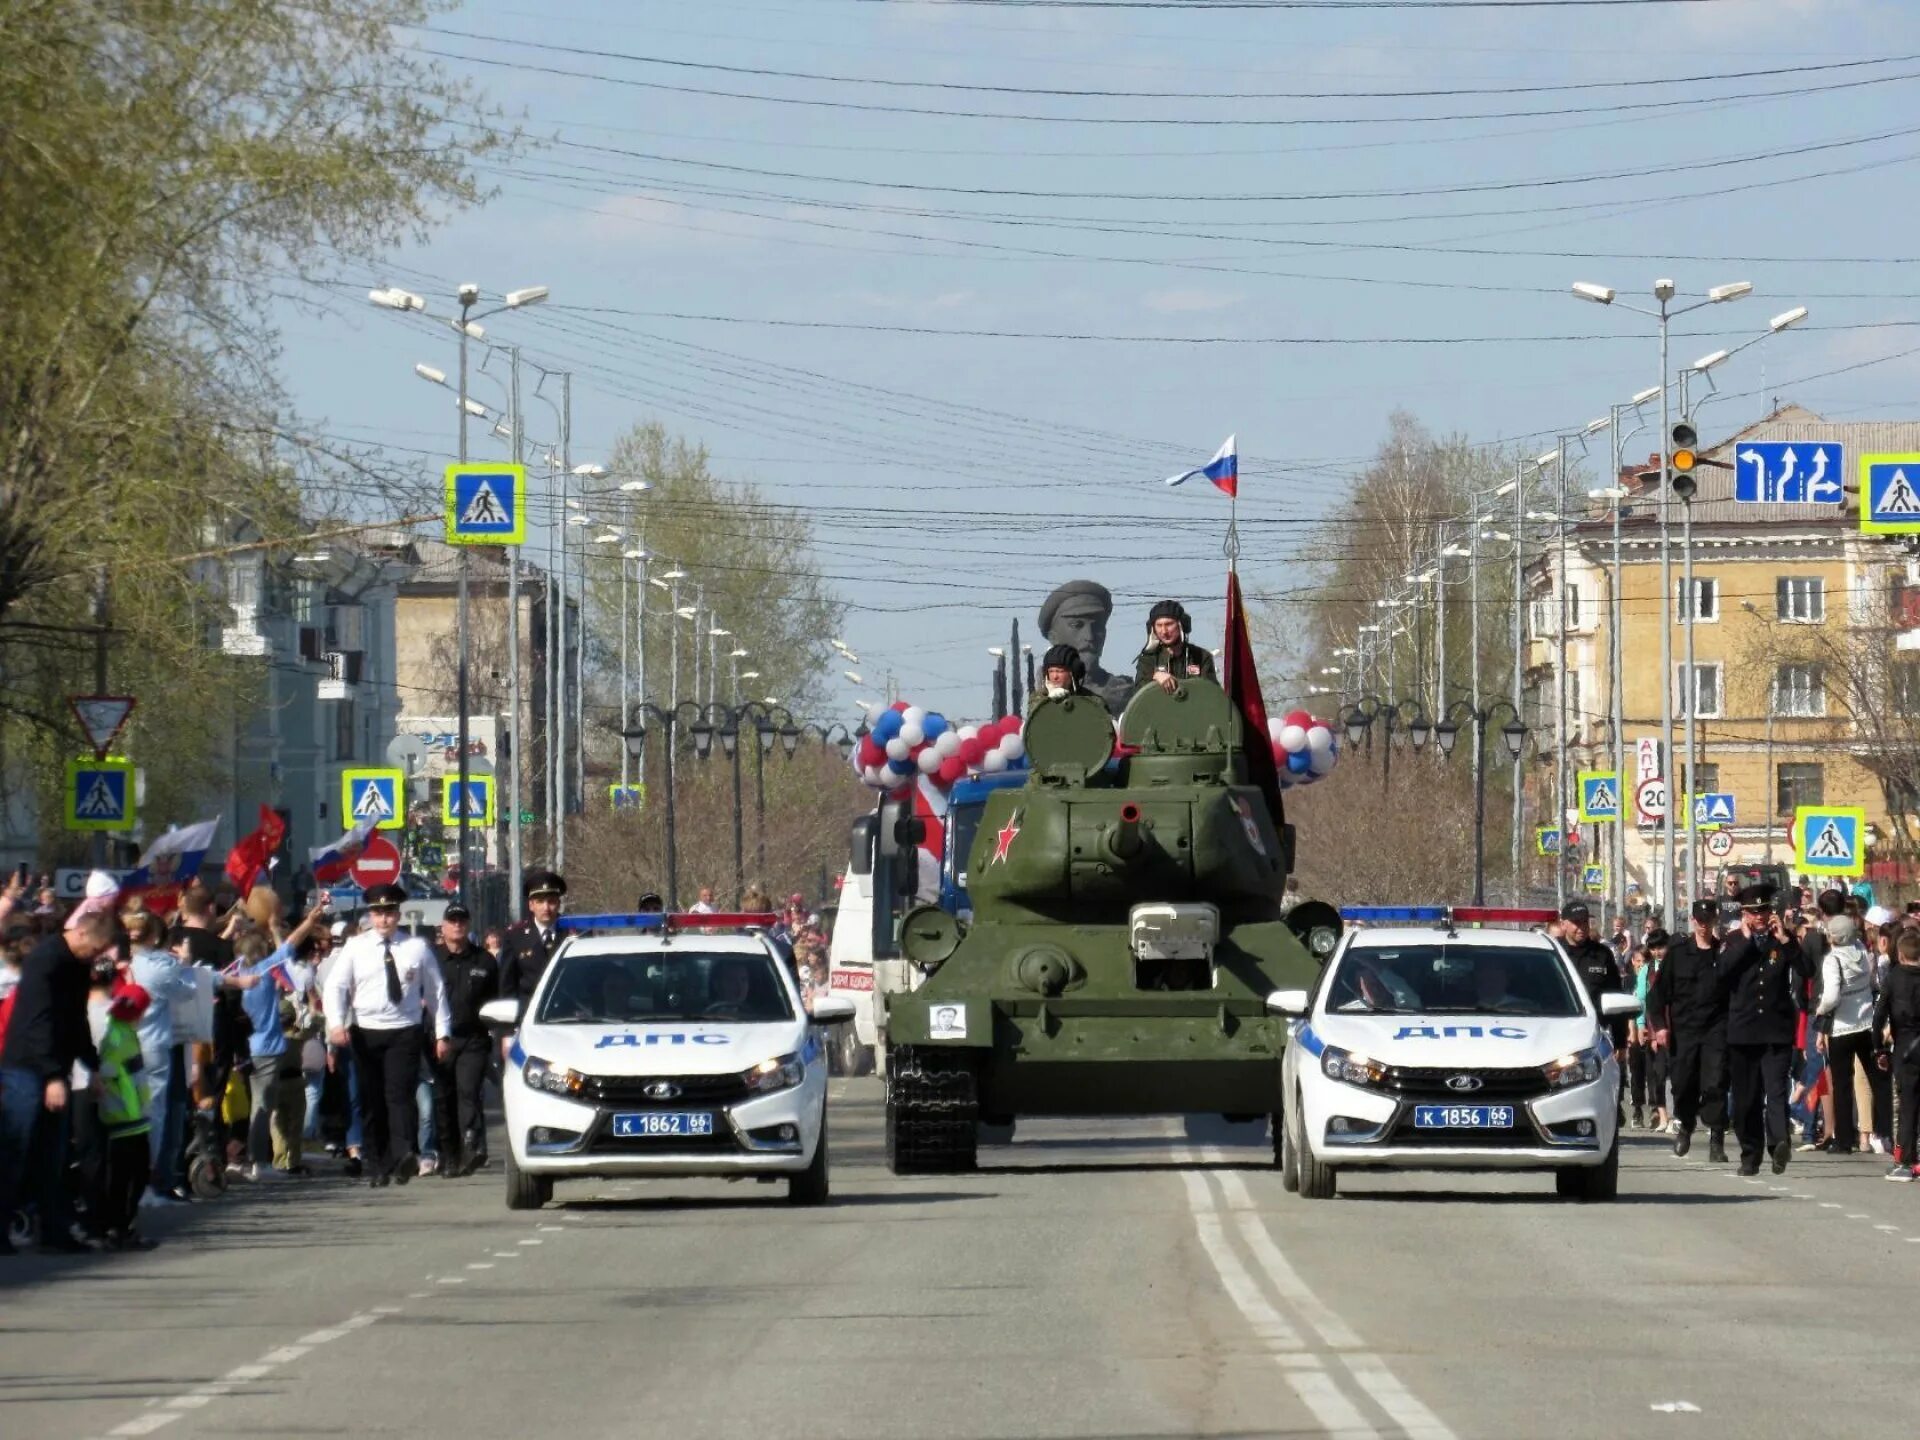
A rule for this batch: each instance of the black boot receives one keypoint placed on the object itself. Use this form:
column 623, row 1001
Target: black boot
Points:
column 1717, row 1147
column 1683, row 1142
column 1782, row 1153
column 1639, row 1118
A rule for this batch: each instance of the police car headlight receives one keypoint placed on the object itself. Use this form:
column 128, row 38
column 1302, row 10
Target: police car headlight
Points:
column 1571, row 1070
column 1338, row 1064
column 554, row 1079
column 771, row 1075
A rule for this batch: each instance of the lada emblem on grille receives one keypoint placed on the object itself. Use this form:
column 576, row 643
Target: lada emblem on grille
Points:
column 1464, row 1082
column 662, row 1090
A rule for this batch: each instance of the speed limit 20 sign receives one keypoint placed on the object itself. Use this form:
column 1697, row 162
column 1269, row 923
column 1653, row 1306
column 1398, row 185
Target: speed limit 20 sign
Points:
column 1650, row 799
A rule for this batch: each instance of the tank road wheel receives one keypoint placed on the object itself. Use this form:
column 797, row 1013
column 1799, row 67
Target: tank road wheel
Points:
column 933, row 1111
column 1314, row 1180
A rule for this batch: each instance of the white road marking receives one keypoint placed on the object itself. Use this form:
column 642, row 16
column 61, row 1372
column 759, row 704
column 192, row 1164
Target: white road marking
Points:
column 481, row 1265
column 321, row 1337
column 146, row 1424
column 285, row 1355
column 541, row 1242
column 193, row 1400
column 246, row 1372
column 1675, row 1407
column 386, row 1309
column 1829, row 1204
column 506, row 1254
column 1856, row 1217
column 451, row 1280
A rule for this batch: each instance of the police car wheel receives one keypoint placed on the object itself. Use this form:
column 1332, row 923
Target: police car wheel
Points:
column 1591, row 1182
column 1316, row 1181
column 809, row 1187
column 1285, row 1153
column 524, row 1191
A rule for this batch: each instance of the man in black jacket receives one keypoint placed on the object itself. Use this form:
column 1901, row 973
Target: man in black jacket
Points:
column 47, row 1033
column 1896, row 1020
column 1765, row 973
column 472, row 978
column 531, row 943
column 1687, row 1012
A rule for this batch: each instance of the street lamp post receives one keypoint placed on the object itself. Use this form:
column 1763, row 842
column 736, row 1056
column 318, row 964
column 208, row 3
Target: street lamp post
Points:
column 1514, row 733
column 466, row 327
column 1663, row 292
column 1358, row 723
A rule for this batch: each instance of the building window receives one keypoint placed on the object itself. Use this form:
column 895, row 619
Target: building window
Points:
column 1906, row 689
column 1801, row 785
column 1706, row 600
column 1797, row 691
column 1705, row 697
column 1573, row 607
column 1709, row 780
column 1800, row 598
column 344, row 730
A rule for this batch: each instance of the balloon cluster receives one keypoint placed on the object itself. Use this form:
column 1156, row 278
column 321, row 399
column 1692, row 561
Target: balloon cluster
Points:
column 1304, row 748
column 904, row 741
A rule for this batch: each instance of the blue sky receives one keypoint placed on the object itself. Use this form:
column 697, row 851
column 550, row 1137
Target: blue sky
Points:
column 957, row 478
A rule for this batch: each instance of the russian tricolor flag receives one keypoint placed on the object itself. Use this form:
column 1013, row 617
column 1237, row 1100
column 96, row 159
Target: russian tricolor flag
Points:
column 331, row 862
column 1223, row 470
column 171, row 862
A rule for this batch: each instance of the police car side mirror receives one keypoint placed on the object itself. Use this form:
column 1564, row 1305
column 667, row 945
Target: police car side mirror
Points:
column 501, row 1014
column 1618, row 1007
column 832, row 1009
column 1288, row 1002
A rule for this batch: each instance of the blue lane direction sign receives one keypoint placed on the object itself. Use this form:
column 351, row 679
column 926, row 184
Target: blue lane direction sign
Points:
column 1890, row 494
column 1713, row 808
column 486, row 504
column 1789, row 472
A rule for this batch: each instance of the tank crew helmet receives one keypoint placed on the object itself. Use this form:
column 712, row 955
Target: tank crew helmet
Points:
column 1065, row 657
column 1170, row 610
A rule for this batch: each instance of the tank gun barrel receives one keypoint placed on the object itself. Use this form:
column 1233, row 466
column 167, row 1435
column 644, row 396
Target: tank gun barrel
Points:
column 1123, row 842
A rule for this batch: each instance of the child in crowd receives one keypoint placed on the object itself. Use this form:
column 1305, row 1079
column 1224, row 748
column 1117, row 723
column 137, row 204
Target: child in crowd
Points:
column 114, row 1007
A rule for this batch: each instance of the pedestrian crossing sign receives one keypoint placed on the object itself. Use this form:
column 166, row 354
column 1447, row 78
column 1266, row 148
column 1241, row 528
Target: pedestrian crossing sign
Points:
column 1830, row 840
column 1890, row 494
column 100, row 794
column 486, row 504
column 1546, row 840
column 1599, row 795
column 479, row 800
column 379, row 795
column 627, row 797
column 1594, row 879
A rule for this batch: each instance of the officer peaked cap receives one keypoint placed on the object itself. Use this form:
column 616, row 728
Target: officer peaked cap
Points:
column 1757, row 897
column 382, row 897
column 545, row 883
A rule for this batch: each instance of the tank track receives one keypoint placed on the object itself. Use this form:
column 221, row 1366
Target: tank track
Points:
column 933, row 1112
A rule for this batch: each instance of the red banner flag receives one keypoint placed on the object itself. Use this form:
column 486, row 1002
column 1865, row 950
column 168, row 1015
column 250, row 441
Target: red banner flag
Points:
column 247, row 861
column 1241, row 681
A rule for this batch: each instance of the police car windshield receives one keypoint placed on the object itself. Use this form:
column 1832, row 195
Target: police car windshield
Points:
column 1451, row 978
column 728, row 987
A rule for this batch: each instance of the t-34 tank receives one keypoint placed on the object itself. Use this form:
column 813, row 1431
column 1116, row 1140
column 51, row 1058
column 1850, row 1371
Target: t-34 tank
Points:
column 1125, row 934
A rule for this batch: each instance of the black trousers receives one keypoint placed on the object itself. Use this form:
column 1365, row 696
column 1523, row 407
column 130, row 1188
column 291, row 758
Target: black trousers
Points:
column 389, row 1066
column 1843, row 1052
column 459, row 1118
column 113, row 1199
column 1906, row 1086
column 1699, row 1073
column 1760, row 1076
column 1637, row 1074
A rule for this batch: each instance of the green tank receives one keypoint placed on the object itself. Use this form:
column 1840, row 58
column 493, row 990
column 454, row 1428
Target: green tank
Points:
column 1125, row 932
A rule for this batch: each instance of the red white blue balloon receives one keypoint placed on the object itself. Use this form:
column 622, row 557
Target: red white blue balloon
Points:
column 905, row 743
column 1304, row 749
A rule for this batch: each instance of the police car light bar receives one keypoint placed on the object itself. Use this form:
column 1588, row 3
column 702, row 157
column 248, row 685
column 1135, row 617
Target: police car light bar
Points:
column 1496, row 915
column 680, row 920
column 1445, row 915
column 1388, row 914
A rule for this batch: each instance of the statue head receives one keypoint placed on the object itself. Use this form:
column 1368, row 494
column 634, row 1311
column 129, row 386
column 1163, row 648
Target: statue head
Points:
column 1076, row 615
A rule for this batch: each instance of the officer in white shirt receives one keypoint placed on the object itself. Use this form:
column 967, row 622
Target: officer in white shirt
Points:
column 383, row 990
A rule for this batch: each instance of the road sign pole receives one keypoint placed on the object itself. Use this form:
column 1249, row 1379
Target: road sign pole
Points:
column 1669, row 890
column 514, row 728
column 100, row 594
column 466, row 306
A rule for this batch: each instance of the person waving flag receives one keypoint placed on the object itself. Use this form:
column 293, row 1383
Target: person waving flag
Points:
column 1223, row 470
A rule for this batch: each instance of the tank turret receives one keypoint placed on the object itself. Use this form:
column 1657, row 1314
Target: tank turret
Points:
column 1124, row 935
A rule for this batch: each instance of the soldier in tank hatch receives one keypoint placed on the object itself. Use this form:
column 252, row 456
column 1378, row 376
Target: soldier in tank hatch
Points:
column 1170, row 658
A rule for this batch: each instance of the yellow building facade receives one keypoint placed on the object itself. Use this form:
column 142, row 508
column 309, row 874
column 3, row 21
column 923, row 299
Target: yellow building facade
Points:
column 1795, row 619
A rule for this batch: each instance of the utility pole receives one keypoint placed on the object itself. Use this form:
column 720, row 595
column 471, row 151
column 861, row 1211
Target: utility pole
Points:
column 102, row 592
column 469, row 294
column 1519, row 657
column 514, row 727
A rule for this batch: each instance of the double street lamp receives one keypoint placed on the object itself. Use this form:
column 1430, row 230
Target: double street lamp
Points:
column 1446, row 734
column 1358, row 723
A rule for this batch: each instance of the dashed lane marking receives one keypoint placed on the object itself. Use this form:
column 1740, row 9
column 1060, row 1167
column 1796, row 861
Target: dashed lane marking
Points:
column 481, row 1265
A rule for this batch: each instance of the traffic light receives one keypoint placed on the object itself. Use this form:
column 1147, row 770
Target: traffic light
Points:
column 1681, row 459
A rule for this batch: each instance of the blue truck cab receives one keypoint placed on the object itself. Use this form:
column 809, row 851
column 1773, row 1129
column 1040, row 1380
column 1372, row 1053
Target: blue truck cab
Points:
column 966, row 803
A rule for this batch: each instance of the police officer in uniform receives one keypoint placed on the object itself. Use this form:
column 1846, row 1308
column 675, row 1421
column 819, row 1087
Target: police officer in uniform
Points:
column 1766, row 973
column 532, row 941
column 1599, row 971
column 472, row 978
column 1687, row 1012
column 1169, row 659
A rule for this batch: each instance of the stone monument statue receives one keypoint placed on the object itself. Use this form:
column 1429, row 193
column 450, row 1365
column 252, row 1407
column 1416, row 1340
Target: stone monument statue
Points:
column 1076, row 614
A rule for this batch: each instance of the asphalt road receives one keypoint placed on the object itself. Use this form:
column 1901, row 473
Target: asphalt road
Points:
column 1095, row 1279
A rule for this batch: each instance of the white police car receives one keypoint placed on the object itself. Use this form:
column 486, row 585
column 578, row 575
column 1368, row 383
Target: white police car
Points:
column 1427, row 1045
column 666, row 1045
